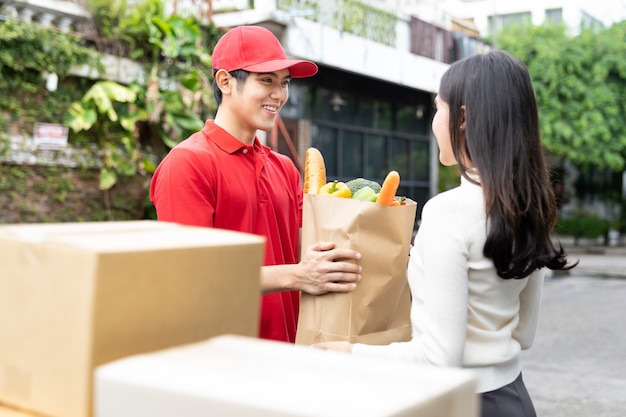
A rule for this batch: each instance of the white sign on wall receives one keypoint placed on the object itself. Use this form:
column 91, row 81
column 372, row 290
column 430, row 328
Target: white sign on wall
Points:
column 50, row 136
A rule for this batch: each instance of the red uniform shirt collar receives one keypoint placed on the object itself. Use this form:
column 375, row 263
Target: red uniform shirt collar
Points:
column 227, row 142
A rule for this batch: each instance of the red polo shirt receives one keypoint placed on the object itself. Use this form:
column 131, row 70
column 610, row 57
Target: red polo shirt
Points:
column 212, row 179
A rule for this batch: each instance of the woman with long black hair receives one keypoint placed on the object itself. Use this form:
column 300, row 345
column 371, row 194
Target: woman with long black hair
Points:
column 479, row 258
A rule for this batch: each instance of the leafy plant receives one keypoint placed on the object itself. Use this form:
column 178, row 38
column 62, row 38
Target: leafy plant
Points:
column 105, row 109
column 178, row 93
column 49, row 49
column 122, row 28
column 24, row 100
column 582, row 225
column 172, row 103
column 580, row 82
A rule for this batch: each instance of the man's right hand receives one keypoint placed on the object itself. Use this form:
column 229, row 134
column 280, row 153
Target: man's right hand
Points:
column 324, row 268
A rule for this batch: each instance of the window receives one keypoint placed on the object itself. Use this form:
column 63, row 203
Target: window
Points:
column 325, row 139
column 376, row 152
column 352, row 151
column 500, row 21
column 351, row 154
column 365, row 128
column 554, row 15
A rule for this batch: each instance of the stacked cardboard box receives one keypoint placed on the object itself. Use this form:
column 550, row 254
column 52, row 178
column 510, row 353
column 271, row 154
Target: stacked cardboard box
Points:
column 77, row 295
column 235, row 376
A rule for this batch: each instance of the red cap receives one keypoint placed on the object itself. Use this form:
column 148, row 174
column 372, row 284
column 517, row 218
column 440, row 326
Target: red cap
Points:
column 256, row 49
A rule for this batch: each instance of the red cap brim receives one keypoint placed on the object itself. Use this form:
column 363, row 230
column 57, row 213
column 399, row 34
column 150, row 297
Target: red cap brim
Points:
column 297, row 68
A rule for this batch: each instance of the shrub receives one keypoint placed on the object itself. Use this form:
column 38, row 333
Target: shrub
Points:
column 582, row 225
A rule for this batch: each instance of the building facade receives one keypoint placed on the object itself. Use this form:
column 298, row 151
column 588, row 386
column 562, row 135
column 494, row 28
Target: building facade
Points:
column 368, row 109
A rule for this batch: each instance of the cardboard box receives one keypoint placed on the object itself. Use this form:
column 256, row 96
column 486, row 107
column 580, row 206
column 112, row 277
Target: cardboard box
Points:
column 230, row 376
column 74, row 296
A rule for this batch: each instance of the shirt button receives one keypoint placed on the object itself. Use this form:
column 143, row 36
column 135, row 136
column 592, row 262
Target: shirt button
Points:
column 245, row 150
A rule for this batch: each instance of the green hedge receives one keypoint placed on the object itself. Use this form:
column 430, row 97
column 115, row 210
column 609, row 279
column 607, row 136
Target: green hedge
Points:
column 582, row 225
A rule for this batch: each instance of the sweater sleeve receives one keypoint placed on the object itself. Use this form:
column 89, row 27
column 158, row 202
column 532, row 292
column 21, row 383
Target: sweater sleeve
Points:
column 530, row 301
column 438, row 274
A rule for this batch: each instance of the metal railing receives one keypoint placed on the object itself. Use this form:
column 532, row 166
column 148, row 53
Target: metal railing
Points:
column 351, row 16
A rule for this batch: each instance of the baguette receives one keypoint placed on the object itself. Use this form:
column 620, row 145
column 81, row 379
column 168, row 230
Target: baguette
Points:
column 314, row 171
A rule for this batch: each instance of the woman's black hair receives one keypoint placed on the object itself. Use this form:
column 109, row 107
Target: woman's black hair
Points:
column 493, row 95
column 240, row 75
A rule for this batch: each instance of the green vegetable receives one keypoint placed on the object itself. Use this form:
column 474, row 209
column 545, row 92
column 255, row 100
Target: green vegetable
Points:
column 366, row 193
column 358, row 183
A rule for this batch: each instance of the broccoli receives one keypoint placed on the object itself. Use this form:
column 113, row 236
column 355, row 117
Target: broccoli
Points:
column 358, row 183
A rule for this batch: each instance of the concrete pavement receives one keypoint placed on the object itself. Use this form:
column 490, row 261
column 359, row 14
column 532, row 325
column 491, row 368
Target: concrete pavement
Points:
column 577, row 365
column 598, row 261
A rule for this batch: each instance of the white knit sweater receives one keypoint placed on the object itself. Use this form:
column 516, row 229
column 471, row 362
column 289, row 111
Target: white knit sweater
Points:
column 463, row 314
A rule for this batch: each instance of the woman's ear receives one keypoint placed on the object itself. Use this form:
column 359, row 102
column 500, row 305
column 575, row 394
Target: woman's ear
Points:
column 465, row 156
column 223, row 81
column 462, row 117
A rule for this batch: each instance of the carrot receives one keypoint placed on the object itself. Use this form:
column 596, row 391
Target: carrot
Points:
column 314, row 171
column 389, row 188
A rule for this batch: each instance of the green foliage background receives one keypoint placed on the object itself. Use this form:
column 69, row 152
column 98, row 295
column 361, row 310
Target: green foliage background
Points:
column 580, row 83
column 24, row 99
column 126, row 127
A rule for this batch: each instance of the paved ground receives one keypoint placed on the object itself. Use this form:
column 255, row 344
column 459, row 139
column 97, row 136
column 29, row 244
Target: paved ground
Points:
column 599, row 261
column 577, row 366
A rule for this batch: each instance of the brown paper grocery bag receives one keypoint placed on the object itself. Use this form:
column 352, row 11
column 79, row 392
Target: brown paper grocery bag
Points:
column 377, row 311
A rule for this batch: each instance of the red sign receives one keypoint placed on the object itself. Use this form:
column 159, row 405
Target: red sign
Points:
column 50, row 136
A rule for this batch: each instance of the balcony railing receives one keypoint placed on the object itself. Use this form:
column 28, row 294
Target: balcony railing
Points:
column 65, row 15
column 352, row 16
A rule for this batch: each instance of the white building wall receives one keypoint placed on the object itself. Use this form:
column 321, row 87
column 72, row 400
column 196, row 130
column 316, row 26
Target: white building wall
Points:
column 479, row 11
column 306, row 39
column 330, row 47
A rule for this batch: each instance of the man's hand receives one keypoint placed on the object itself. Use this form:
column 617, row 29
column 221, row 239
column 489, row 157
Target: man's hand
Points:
column 321, row 270
column 325, row 269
